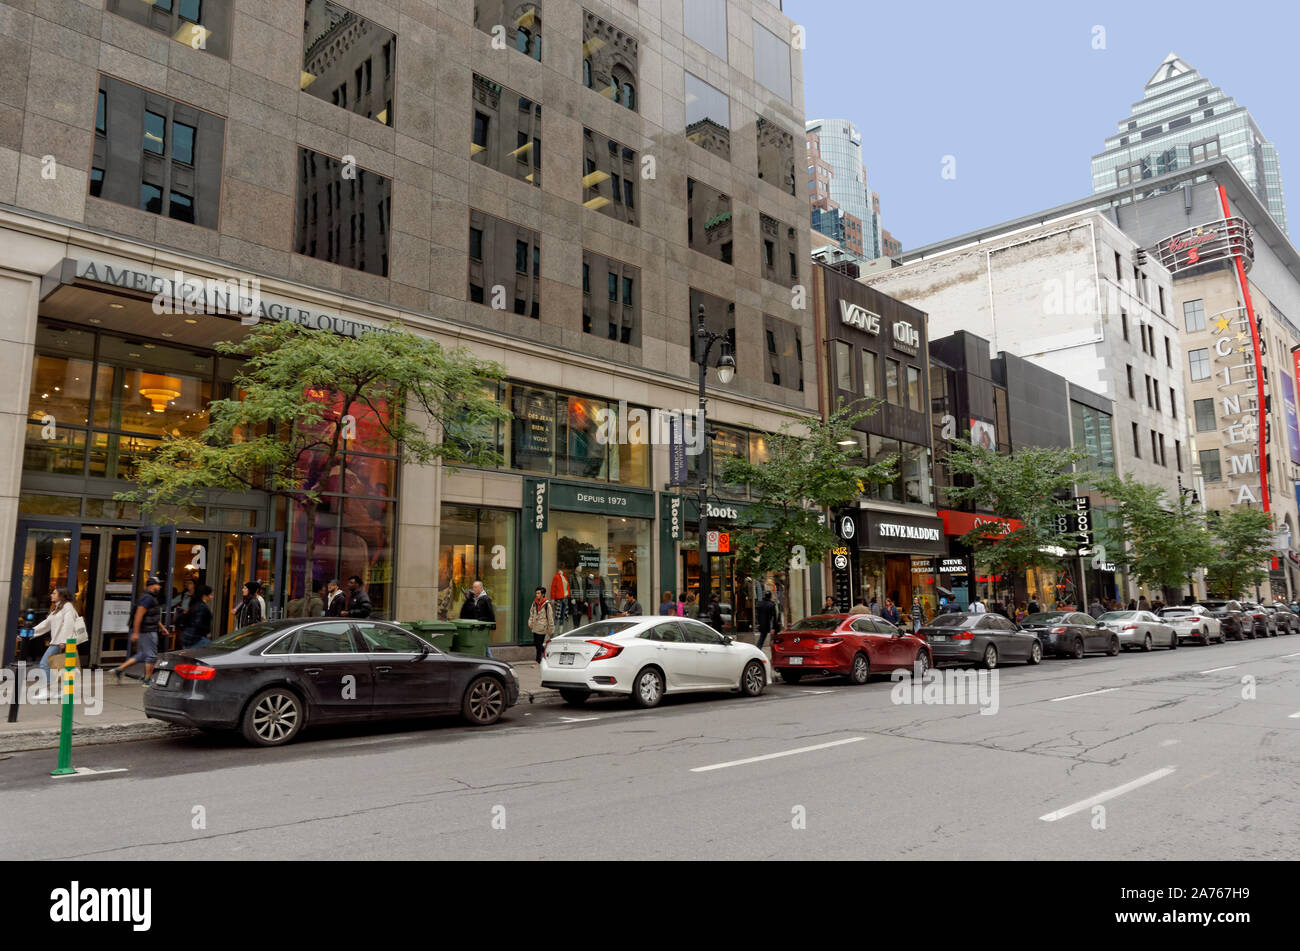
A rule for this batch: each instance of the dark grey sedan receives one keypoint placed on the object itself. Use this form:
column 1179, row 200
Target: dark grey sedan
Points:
column 984, row 640
column 1071, row 634
column 270, row 680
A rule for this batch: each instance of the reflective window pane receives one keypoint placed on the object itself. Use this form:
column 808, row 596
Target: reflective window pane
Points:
column 340, row 51
column 772, row 61
column 342, row 220
column 708, row 221
column 705, row 22
column 605, row 163
column 507, row 131
column 502, row 267
column 708, row 116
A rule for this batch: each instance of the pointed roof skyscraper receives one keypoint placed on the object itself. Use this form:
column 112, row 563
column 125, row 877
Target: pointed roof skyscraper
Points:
column 1181, row 119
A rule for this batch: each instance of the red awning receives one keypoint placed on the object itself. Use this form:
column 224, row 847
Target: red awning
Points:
column 959, row 523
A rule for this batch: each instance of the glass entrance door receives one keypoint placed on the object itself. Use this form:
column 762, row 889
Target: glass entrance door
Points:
column 46, row 555
column 268, row 548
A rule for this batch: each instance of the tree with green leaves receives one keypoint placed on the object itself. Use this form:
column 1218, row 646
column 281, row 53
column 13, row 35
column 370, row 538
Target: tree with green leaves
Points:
column 804, row 473
column 1166, row 541
column 1242, row 547
column 1023, row 485
column 296, row 403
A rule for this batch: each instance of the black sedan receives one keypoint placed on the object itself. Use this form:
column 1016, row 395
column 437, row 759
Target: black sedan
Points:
column 270, row 680
column 984, row 640
column 1233, row 619
column 1071, row 634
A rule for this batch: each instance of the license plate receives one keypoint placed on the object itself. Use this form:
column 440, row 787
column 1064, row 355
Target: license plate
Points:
column 566, row 660
column 938, row 637
column 795, row 661
column 161, row 677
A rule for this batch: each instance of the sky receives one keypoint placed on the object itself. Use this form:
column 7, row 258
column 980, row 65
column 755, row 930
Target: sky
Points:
column 1016, row 93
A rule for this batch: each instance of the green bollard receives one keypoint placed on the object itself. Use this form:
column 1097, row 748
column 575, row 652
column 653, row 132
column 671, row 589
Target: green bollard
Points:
column 65, row 734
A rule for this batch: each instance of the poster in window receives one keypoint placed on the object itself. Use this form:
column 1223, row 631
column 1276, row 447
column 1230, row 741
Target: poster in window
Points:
column 983, row 434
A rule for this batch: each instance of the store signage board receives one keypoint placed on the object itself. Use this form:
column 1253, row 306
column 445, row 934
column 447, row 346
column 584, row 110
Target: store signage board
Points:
column 857, row 316
column 1075, row 525
column 719, row 543
column 538, row 504
column 600, row 499
column 673, row 514
column 676, row 451
column 1212, row 241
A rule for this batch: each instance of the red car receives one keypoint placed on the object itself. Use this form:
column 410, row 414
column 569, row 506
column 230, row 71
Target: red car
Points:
column 858, row 645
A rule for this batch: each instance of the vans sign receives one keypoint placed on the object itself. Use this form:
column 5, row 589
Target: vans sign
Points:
column 860, row 317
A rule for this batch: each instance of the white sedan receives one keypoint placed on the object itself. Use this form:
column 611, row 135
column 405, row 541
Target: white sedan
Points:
column 648, row 657
column 1140, row 629
column 1193, row 622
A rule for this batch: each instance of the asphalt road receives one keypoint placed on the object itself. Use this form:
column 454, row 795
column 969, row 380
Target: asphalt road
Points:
column 1182, row 765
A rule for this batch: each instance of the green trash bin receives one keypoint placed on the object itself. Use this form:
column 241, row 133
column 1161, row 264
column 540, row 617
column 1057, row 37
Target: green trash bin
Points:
column 472, row 637
column 441, row 634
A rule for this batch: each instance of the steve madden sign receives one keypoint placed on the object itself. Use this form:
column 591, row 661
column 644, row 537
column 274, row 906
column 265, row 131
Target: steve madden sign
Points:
column 890, row 531
column 190, row 294
column 911, row 532
column 860, row 317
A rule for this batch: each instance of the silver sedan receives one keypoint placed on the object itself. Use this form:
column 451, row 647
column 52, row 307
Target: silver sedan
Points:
column 1140, row 629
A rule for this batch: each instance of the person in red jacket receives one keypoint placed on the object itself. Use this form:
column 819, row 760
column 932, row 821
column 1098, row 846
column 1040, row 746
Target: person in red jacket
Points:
column 559, row 596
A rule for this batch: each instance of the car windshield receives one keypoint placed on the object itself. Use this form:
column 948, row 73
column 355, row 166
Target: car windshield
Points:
column 1117, row 616
column 951, row 620
column 1045, row 618
column 244, row 636
column 603, row 628
column 818, row 622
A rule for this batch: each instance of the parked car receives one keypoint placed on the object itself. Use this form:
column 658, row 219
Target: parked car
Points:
column 1140, row 629
column 981, row 639
column 1263, row 623
column 1194, row 622
column 1232, row 618
column 272, row 679
column 1287, row 621
column 858, row 645
column 647, row 658
column 1071, row 634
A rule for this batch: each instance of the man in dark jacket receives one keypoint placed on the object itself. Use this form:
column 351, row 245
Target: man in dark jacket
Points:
column 335, row 600
column 629, row 606
column 478, row 606
column 358, row 600
column 764, row 618
column 713, row 615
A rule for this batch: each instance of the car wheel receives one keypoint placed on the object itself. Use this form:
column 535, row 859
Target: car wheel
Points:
column 1035, row 653
column 1113, row 650
column 920, row 664
column 574, row 698
column 1078, row 652
column 753, row 679
column 791, row 676
column 1146, row 643
column 860, row 672
column 273, row 717
column 648, row 688
column 1173, row 642
column 484, row 702
column 990, row 659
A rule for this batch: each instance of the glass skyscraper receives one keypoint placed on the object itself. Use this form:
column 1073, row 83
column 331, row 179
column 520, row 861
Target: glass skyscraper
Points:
column 1183, row 119
column 841, row 147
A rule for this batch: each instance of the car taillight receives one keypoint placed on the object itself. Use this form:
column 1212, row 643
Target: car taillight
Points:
column 829, row 640
column 1130, row 627
column 195, row 671
column 963, row 636
column 607, row 650
column 1058, row 630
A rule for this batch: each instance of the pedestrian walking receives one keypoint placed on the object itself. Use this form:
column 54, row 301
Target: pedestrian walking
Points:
column 917, row 615
column 478, row 606
column 668, row 606
column 358, row 600
column 1021, row 613
column 891, row 612
column 691, row 606
column 681, row 604
column 713, row 615
column 335, row 600
column 60, row 624
column 861, row 608
column 198, row 620
column 1143, row 604
column 977, row 606
column 541, row 621
column 146, row 626
column 828, row 606
column 765, row 618
column 251, row 608
column 1034, row 608
column 874, row 607
column 312, row 605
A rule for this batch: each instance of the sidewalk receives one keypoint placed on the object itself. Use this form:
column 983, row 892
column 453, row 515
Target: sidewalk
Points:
column 121, row 715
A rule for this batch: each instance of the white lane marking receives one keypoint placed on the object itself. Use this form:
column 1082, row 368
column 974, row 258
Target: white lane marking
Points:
column 1216, row 669
column 1075, row 696
column 87, row 771
column 814, row 693
column 379, row 739
column 759, row 759
column 1168, row 742
column 1294, row 716
column 1285, row 656
column 1107, row 795
column 578, row 719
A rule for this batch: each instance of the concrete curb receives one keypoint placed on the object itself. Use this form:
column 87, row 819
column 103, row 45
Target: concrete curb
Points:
column 25, row 740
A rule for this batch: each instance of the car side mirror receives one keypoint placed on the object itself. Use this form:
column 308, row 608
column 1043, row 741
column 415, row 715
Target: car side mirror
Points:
column 727, row 639
column 424, row 652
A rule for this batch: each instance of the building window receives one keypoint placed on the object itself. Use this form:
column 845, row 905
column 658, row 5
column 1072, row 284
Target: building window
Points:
column 101, row 110
column 893, row 392
column 719, row 318
column 708, row 117
column 1210, row 470
column 708, row 221
column 182, row 208
column 1162, row 448
column 1119, row 270
column 522, row 23
column 343, row 225
column 476, row 244
column 1194, row 315
column 869, row 385
column 1162, row 300
column 1137, row 444
column 844, row 366
column 1178, row 454
column 141, row 172
column 617, row 314
column 779, row 243
column 1204, row 411
column 507, row 133
column 1198, row 364
column 501, row 266
column 199, row 24
column 336, row 42
column 1132, row 394
column 1169, row 354
column 771, row 62
column 1123, row 322
column 914, row 388
column 776, row 155
column 784, row 353
column 605, row 164
column 705, row 22
column 1173, row 404
column 610, row 56
column 1092, row 433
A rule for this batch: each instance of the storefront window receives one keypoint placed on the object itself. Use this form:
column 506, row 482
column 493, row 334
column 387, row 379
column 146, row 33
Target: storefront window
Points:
column 477, row 544
column 583, row 444
column 600, row 554
column 629, row 462
column 532, row 430
column 913, row 482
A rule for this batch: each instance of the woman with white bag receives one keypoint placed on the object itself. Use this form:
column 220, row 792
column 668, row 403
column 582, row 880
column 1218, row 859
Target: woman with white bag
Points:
column 61, row 623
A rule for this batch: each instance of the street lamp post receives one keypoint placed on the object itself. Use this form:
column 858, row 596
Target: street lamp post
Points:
column 704, row 341
column 1182, row 511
